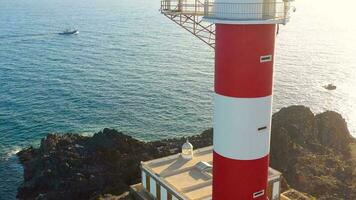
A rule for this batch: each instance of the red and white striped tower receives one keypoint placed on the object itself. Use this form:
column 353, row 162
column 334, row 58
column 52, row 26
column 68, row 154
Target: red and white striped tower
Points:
column 244, row 51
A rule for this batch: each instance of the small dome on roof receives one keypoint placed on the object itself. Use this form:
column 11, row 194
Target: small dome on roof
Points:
column 187, row 150
column 187, row 145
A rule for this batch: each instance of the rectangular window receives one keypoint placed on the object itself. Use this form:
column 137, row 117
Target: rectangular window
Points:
column 267, row 58
column 262, row 128
column 153, row 187
column 158, row 191
column 258, row 194
column 148, row 183
column 164, row 193
column 269, row 190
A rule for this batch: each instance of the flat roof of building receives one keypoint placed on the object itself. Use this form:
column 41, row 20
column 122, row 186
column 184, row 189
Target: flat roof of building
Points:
column 192, row 178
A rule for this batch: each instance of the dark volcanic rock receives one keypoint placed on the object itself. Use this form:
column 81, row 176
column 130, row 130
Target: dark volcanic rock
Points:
column 333, row 132
column 71, row 166
column 311, row 151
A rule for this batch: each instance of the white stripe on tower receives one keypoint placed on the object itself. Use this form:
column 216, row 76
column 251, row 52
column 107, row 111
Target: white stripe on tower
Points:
column 242, row 123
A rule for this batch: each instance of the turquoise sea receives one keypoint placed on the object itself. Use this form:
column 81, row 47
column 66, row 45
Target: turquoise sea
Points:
column 132, row 69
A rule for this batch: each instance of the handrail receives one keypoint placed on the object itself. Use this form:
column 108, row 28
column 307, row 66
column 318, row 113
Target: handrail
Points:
column 192, row 7
column 277, row 10
column 189, row 15
column 274, row 10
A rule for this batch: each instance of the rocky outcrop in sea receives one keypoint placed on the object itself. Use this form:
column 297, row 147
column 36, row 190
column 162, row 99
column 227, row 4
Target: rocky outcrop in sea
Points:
column 312, row 151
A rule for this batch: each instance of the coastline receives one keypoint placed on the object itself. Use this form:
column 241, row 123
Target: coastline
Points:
column 310, row 150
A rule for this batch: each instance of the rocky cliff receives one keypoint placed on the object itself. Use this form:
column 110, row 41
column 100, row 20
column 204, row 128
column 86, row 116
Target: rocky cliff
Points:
column 312, row 151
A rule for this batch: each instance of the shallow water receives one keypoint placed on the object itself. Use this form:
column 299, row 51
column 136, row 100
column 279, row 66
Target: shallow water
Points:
column 132, row 69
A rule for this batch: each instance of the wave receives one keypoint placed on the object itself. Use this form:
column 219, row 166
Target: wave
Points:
column 9, row 152
column 30, row 35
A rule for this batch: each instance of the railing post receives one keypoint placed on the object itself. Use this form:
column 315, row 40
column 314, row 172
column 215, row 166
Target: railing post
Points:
column 285, row 10
column 206, row 8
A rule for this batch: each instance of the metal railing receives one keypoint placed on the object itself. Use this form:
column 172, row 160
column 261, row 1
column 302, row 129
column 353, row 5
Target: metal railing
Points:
column 244, row 11
column 268, row 10
column 189, row 15
column 195, row 7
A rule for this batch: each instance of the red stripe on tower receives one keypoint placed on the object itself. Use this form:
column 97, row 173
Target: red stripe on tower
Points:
column 242, row 110
column 239, row 71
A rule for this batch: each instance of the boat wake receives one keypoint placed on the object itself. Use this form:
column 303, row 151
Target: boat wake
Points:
column 26, row 35
column 39, row 35
column 10, row 152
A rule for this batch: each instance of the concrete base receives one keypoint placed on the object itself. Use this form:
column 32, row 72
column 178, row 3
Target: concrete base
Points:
column 294, row 195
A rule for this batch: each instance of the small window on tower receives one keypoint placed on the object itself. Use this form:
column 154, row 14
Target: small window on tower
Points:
column 258, row 194
column 267, row 58
column 262, row 128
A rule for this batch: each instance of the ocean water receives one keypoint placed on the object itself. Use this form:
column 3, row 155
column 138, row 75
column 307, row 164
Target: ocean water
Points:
column 132, row 69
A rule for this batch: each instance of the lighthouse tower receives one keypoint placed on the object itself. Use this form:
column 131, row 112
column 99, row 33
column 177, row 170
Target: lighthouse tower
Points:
column 244, row 41
column 244, row 55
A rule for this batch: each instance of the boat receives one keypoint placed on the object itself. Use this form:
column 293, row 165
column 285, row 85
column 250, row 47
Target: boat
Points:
column 69, row 32
column 330, row 87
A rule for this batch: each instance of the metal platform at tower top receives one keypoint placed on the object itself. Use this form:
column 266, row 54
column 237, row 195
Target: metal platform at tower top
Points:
column 189, row 15
column 199, row 16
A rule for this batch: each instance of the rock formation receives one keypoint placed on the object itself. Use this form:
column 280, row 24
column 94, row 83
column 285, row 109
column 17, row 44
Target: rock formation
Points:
column 312, row 151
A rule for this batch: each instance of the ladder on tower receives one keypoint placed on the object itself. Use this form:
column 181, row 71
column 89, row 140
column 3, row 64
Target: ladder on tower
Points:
column 189, row 15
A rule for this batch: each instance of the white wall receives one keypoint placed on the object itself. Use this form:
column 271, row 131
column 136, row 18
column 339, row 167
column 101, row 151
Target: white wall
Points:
column 143, row 179
column 238, row 9
column 153, row 187
column 275, row 193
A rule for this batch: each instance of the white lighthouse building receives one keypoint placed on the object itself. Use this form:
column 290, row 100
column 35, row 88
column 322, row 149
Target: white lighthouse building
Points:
column 187, row 176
